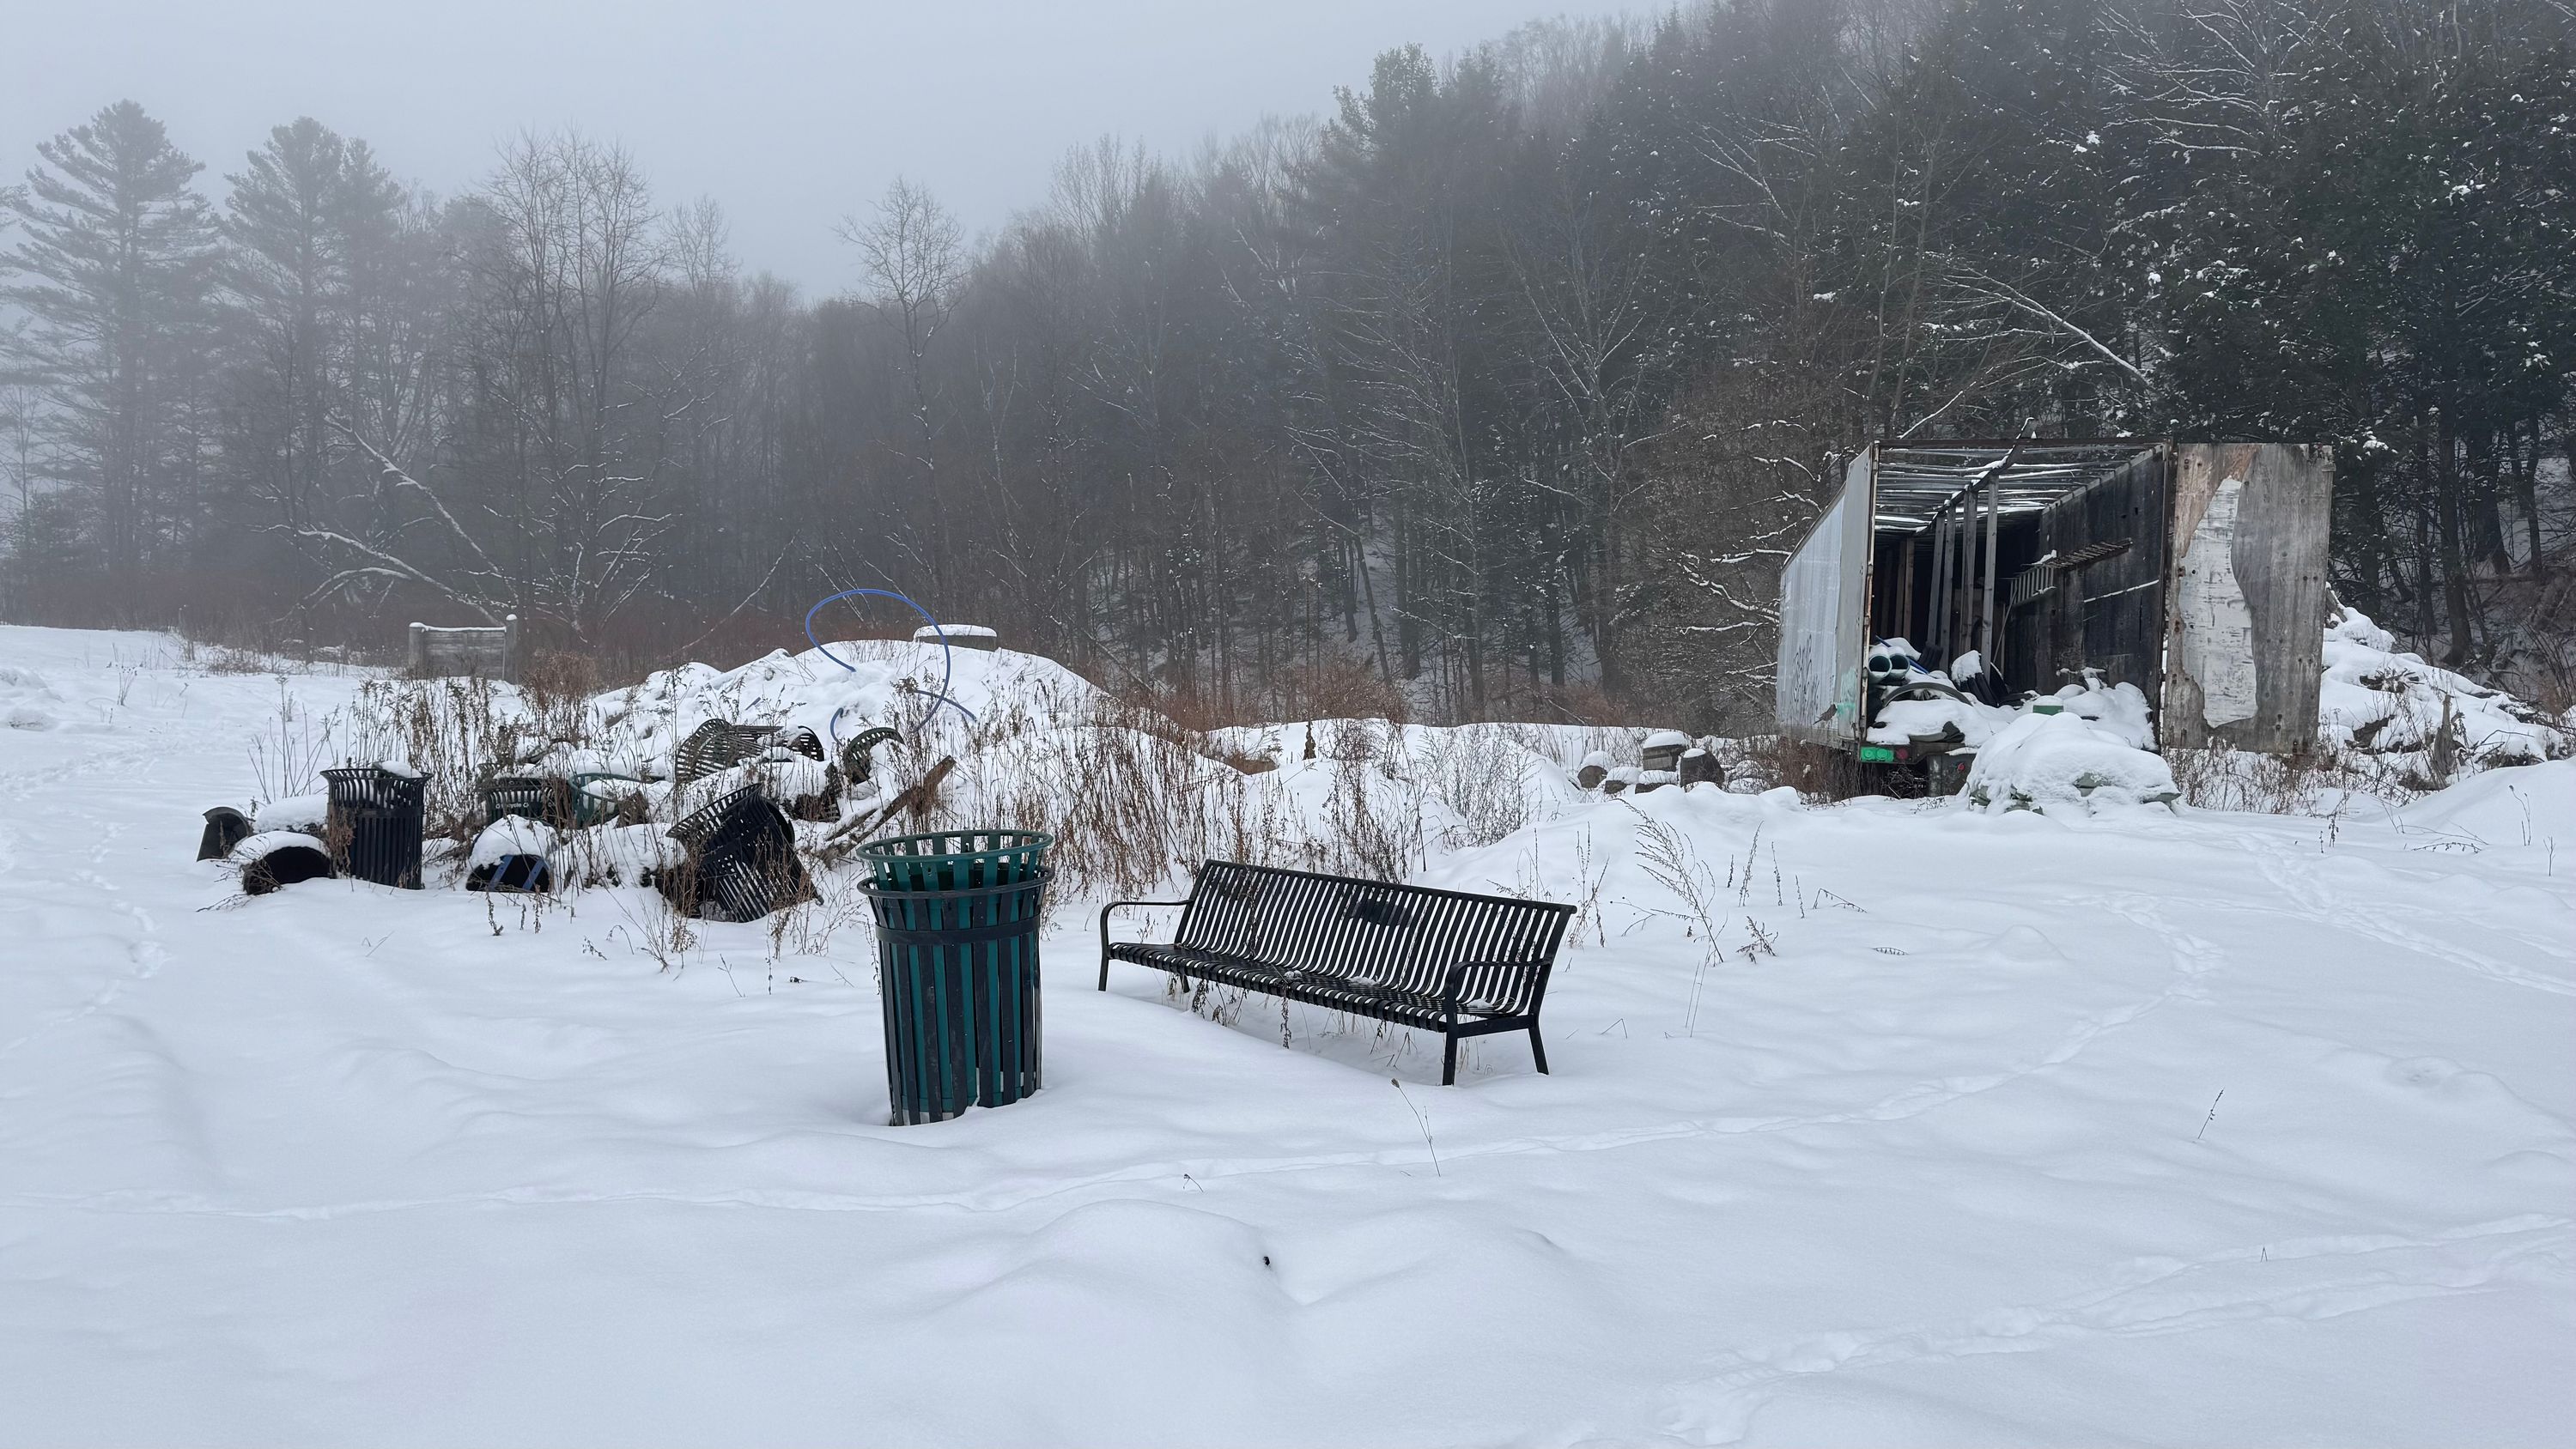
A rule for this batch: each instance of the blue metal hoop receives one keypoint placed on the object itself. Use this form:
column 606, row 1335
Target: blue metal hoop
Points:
column 947, row 655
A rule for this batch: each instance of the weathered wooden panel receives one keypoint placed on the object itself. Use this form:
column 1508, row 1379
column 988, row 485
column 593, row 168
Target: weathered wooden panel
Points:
column 2108, row 610
column 2245, row 632
column 2025, row 629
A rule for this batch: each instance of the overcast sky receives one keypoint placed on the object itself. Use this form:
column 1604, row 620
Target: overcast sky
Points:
column 790, row 114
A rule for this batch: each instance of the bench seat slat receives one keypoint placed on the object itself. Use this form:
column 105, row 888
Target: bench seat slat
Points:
column 1405, row 1008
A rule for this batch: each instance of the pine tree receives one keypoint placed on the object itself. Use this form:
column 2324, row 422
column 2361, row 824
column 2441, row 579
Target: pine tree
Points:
column 114, row 270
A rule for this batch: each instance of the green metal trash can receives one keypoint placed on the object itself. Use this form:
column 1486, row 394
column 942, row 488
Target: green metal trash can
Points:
column 590, row 807
column 957, row 943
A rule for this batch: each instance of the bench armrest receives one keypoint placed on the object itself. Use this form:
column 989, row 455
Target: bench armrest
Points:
column 1515, row 978
column 1104, row 931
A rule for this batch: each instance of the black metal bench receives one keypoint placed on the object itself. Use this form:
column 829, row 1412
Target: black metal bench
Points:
column 1446, row 961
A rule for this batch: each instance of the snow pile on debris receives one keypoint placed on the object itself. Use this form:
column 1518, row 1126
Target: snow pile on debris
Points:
column 2118, row 710
column 508, row 836
column 294, row 812
column 1906, row 721
column 1920, row 705
column 253, row 848
column 2061, row 762
column 2395, row 708
column 902, row 685
column 26, row 701
column 1135, row 799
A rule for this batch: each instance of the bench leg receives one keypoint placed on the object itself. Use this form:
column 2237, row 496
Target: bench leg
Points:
column 1538, row 1049
column 1449, row 1062
column 1104, row 970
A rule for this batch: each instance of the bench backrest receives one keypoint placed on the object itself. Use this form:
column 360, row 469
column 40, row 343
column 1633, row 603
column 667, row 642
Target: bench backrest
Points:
column 1399, row 936
column 721, row 745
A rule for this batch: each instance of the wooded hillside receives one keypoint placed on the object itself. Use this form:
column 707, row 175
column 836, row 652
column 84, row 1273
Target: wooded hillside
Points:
column 1500, row 390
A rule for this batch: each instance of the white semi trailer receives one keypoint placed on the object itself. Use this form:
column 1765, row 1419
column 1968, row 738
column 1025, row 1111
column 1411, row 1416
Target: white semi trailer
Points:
column 2195, row 571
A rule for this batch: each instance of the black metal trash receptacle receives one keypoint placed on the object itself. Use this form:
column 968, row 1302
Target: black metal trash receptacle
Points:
column 957, row 943
column 375, row 823
column 742, row 860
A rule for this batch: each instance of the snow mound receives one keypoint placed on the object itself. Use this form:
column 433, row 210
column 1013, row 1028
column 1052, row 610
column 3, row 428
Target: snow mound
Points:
column 2065, row 762
column 2503, row 807
column 252, row 848
column 1906, row 720
column 2376, row 701
column 2119, row 710
column 887, row 683
column 23, row 697
column 308, row 813
column 508, row 836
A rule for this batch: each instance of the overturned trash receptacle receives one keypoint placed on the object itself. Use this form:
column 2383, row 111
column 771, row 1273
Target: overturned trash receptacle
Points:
column 957, row 939
column 225, row 828
column 741, row 860
column 513, row 857
column 375, row 823
column 278, row 858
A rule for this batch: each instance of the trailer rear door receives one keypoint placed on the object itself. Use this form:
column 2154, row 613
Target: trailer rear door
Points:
column 2246, row 612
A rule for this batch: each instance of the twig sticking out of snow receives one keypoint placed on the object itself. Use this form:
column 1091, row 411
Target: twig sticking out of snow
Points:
column 1419, row 1120
column 1760, row 945
column 2212, row 1117
column 1672, row 863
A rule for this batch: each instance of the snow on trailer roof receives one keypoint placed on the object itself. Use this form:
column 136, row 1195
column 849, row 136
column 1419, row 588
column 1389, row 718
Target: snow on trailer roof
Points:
column 1915, row 481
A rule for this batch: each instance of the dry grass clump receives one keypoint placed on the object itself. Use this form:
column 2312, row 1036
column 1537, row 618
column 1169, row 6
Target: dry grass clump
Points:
column 1131, row 795
column 1817, row 773
column 456, row 732
column 2313, row 782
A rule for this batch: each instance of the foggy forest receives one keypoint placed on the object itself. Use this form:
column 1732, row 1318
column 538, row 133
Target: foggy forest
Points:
column 1500, row 386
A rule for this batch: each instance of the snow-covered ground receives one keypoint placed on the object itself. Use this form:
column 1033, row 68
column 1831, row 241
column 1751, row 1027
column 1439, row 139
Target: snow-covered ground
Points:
column 2139, row 1127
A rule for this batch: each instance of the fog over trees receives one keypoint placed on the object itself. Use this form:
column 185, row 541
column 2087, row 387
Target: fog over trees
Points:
column 1502, row 388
